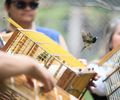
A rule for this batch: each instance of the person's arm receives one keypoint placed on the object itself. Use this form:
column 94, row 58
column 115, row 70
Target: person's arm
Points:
column 19, row 64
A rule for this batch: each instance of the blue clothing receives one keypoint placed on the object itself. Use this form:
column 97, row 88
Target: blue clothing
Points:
column 54, row 35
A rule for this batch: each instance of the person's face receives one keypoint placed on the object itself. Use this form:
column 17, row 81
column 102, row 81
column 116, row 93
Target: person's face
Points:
column 23, row 10
column 116, row 37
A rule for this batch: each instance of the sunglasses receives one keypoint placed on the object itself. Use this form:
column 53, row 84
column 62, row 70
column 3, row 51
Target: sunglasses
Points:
column 22, row 4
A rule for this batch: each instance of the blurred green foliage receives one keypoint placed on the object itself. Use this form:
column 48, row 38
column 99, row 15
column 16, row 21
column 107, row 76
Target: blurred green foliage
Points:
column 55, row 17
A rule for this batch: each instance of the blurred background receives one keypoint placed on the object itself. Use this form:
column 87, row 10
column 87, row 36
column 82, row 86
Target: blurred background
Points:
column 73, row 18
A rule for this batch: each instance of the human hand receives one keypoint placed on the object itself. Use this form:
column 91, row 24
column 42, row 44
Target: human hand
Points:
column 41, row 74
column 92, row 84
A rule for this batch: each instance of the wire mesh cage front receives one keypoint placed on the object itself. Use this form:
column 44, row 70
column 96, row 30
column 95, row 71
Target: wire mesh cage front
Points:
column 112, row 83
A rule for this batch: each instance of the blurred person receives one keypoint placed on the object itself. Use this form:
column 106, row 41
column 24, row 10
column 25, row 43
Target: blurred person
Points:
column 112, row 42
column 24, row 13
column 13, row 65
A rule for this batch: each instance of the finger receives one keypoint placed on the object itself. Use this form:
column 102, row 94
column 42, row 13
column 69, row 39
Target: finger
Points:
column 92, row 84
column 91, row 88
column 96, row 77
column 48, row 86
column 51, row 85
column 30, row 82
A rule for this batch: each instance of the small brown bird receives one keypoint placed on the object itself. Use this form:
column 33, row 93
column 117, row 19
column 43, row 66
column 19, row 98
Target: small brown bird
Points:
column 88, row 39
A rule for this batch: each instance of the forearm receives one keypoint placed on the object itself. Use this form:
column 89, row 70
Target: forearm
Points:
column 11, row 65
column 19, row 64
